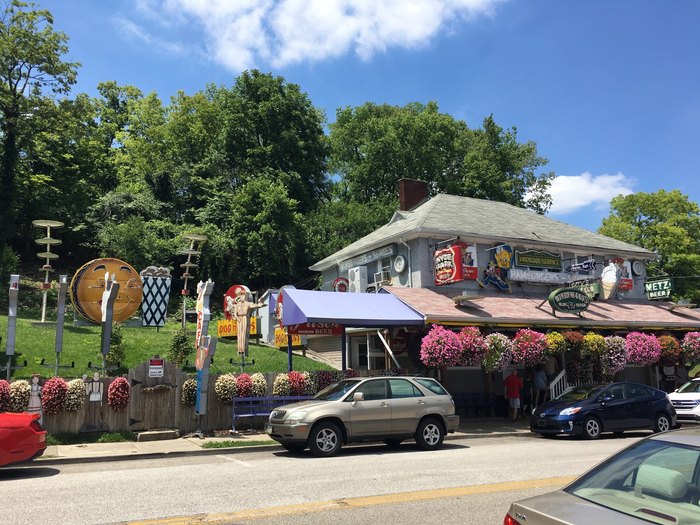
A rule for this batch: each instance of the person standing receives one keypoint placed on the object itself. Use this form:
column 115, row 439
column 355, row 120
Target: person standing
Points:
column 540, row 386
column 513, row 384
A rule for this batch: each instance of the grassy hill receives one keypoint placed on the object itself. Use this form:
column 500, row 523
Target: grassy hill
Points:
column 81, row 345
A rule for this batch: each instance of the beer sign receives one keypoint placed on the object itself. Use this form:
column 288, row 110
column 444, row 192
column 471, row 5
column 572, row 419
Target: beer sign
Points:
column 659, row 289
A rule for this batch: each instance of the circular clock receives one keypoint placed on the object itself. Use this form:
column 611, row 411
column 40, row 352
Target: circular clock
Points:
column 637, row 267
column 399, row 263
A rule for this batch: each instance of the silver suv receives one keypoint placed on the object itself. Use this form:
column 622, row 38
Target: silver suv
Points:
column 686, row 401
column 389, row 409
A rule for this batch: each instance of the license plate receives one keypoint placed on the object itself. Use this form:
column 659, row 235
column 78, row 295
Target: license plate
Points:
column 541, row 423
column 268, row 429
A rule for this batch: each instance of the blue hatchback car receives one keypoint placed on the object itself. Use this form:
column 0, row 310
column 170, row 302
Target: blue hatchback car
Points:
column 590, row 410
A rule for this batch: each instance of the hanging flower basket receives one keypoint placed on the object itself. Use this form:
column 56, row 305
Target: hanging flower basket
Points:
column 440, row 348
column 259, row 385
column 226, row 388
column 556, row 344
column 244, row 385
column 473, row 346
column 670, row 348
column 593, row 346
column 499, row 352
column 118, row 394
column 642, row 349
column 5, row 400
column 528, row 347
column 189, row 393
column 574, row 342
column 615, row 357
column 691, row 347
column 53, row 395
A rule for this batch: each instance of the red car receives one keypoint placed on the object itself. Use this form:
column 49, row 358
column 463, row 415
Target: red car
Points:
column 22, row 438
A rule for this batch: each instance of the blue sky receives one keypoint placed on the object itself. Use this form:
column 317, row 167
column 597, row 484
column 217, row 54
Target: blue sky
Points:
column 609, row 91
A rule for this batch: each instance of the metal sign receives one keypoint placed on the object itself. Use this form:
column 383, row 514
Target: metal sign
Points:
column 156, row 367
column 228, row 328
column 584, row 266
column 569, row 300
column 659, row 289
column 538, row 259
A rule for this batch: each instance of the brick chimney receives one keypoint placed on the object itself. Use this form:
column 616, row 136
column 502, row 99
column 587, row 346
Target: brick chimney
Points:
column 411, row 193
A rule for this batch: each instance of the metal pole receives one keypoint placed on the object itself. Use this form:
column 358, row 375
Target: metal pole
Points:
column 12, row 322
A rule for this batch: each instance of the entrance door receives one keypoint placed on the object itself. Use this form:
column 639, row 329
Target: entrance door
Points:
column 359, row 357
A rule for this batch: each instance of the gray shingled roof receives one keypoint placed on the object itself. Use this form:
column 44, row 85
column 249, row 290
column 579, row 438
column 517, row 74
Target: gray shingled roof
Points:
column 482, row 220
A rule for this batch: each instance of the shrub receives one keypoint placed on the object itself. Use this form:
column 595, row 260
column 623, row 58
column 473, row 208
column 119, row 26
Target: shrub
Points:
column 528, row 347
column 189, row 393
column 53, row 395
column 118, row 394
column 244, row 385
column 615, row 357
column 499, row 352
column 670, row 348
column 181, row 347
column 259, row 385
column 75, row 396
column 296, row 383
column 593, row 345
column 19, row 395
column 473, row 346
column 5, row 399
column 642, row 349
column 556, row 344
column 116, row 355
column 691, row 347
column 226, row 388
column 280, row 387
column 440, row 348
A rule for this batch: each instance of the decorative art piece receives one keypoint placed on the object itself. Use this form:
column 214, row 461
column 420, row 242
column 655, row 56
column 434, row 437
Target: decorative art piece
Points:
column 88, row 285
column 47, row 242
column 156, row 294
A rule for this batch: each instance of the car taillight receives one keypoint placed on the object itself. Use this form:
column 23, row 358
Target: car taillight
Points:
column 36, row 427
column 510, row 520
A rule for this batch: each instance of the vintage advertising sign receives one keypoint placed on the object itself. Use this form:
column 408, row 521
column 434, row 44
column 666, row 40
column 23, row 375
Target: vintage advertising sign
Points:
column 592, row 290
column 341, row 284
column 569, row 300
column 584, row 266
column 538, row 259
column 626, row 282
column 448, row 265
column 470, row 270
column 155, row 367
column 281, row 339
column 366, row 258
column 228, row 328
column 315, row 329
column 534, row 276
column 658, row 289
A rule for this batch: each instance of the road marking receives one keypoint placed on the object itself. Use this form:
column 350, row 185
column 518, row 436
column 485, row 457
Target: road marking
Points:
column 234, row 460
column 359, row 502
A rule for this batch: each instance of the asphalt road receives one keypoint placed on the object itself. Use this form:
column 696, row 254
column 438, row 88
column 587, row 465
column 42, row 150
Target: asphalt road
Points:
column 470, row 481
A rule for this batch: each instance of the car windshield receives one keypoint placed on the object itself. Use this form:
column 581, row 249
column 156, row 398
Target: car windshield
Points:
column 336, row 390
column 690, row 387
column 577, row 393
column 653, row 480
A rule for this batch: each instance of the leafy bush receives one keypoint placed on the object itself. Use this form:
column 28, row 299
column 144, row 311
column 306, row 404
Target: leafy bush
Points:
column 75, row 397
column 280, row 387
column 189, row 393
column 226, row 388
column 181, row 347
column 5, row 399
column 440, row 348
column 19, row 395
column 118, row 394
column 116, row 355
column 259, row 385
column 53, row 395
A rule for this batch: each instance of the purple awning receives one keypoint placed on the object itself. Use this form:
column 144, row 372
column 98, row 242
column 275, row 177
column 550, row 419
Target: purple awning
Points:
column 348, row 309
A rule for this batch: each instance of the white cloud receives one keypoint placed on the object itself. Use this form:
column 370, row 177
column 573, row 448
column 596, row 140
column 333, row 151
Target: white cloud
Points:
column 135, row 31
column 573, row 193
column 245, row 33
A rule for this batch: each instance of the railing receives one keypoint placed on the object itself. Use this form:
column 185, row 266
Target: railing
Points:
column 558, row 385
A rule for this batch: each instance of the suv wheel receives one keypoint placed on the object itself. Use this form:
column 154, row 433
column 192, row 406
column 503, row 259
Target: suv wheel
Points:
column 429, row 434
column 325, row 440
column 662, row 423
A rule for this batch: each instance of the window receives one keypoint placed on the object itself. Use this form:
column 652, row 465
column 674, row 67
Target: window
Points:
column 402, row 388
column 374, row 389
column 432, row 385
column 615, row 392
column 636, row 391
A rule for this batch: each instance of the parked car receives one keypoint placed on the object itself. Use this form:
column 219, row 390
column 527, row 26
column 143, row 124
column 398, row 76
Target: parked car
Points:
column 590, row 410
column 22, row 438
column 389, row 409
column 655, row 480
column 686, row 401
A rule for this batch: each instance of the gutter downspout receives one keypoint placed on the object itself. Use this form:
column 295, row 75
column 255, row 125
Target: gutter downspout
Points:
column 410, row 269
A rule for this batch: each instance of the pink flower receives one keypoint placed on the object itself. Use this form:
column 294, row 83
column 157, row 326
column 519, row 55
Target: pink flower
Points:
column 440, row 348
column 118, row 394
column 529, row 347
column 642, row 349
column 473, row 346
column 244, row 385
column 53, row 395
column 297, row 383
column 691, row 346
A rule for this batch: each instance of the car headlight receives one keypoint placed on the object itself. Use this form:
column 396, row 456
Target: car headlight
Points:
column 296, row 416
column 570, row 411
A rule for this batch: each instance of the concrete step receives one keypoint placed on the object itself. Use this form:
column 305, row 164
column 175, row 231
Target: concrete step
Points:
column 157, row 435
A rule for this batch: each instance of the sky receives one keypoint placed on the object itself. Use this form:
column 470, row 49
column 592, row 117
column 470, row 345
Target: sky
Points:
column 609, row 91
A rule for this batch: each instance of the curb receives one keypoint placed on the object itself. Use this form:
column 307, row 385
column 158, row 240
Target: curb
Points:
column 48, row 461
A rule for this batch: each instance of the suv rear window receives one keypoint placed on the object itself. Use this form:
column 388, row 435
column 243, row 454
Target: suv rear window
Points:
column 432, row 385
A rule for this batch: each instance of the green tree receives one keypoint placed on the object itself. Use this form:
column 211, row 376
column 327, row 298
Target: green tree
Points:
column 666, row 222
column 30, row 64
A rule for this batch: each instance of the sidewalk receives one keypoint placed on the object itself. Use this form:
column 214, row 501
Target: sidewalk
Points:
column 95, row 452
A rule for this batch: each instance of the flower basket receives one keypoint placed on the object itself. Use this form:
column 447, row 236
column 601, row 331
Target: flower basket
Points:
column 615, row 357
column 75, row 397
column 118, row 394
column 5, row 399
column 593, row 345
column 670, row 348
column 259, row 385
column 528, row 347
column 642, row 349
column 499, row 350
column 244, row 385
column 19, row 395
column 473, row 346
column 226, row 388
column 691, row 347
column 556, row 344
column 53, row 395
column 297, row 383
column 440, row 348
column 280, row 387
column 574, row 342
column 189, row 393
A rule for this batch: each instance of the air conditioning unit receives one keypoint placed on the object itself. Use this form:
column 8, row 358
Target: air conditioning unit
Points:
column 382, row 278
column 357, row 278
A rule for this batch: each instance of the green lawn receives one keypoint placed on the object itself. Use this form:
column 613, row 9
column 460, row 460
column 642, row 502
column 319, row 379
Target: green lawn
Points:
column 81, row 344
